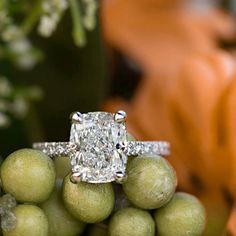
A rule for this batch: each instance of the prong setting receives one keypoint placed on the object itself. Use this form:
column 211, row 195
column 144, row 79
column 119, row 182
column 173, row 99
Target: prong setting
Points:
column 120, row 116
column 75, row 178
column 120, row 177
column 121, row 146
column 76, row 117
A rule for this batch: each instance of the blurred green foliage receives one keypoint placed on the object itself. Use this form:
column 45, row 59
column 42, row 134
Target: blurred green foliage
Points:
column 67, row 77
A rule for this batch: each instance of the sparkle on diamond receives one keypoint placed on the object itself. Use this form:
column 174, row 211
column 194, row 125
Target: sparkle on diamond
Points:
column 98, row 138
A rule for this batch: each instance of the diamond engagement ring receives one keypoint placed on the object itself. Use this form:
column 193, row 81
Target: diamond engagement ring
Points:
column 98, row 148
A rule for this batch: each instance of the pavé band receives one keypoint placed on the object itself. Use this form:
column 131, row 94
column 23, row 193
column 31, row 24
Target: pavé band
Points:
column 134, row 148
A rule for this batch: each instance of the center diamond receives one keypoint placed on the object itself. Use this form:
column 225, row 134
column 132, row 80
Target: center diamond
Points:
column 100, row 140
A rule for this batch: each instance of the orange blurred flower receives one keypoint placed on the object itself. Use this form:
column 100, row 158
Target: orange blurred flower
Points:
column 187, row 94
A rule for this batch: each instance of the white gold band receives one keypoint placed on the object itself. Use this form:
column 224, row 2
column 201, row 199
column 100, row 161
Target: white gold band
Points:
column 134, row 148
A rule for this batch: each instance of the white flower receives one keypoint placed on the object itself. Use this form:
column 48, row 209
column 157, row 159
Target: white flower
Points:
column 20, row 46
column 46, row 26
column 22, row 50
column 52, row 13
column 20, row 107
column 26, row 61
column 5, row 87
column 11, row 33
column 4, row 120
column 46, row 6
column 61, row 4
column 89, row 19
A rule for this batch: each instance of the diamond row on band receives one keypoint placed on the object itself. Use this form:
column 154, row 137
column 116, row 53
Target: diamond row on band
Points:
column 53, row 149
column 134, row 148
column 148, row 148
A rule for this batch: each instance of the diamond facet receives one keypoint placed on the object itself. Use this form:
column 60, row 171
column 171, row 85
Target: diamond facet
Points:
column 102, row 143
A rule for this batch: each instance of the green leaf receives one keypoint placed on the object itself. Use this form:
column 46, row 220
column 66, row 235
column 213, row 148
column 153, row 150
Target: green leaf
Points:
column 78, row 32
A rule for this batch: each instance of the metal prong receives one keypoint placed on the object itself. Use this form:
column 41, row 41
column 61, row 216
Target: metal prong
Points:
column 76, row 117
column 120, row 116
column 75, row 178
column 120, row 177
column 121, row 146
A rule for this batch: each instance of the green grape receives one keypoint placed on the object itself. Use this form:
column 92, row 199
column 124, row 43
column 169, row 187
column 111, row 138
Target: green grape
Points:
column 30, row 221
column 183, row 215
column 61, row 223
column 63, row 166
column 29, row 175
column 151, row 182
column 131, row 222
column 90, row 203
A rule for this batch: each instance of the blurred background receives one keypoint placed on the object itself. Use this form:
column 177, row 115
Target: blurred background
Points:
column 169, row 63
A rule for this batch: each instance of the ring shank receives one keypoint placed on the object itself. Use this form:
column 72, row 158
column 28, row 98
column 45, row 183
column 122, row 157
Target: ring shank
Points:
column 137, row 148
column 134, row 148
column 53, row 149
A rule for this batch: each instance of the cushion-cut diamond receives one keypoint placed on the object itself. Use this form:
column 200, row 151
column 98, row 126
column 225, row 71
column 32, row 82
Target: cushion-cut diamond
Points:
column 100, row 140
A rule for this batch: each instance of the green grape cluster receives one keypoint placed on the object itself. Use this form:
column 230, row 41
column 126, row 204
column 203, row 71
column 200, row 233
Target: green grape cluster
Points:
column 39, row 199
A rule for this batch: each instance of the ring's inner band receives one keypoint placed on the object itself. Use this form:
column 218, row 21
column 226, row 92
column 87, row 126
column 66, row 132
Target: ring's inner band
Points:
column 134, row 148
